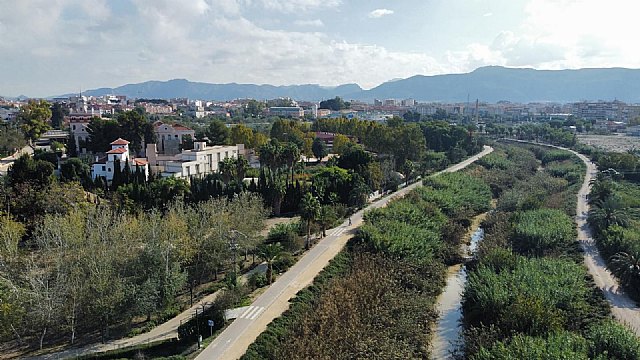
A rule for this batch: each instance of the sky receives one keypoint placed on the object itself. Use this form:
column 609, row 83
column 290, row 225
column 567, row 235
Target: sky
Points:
column 52, row 47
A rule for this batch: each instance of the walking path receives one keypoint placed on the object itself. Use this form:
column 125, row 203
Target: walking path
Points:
column 233, row 342
column 623, row 308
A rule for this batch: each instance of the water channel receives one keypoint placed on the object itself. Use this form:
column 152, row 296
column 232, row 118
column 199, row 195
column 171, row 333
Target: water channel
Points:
column 448, row 330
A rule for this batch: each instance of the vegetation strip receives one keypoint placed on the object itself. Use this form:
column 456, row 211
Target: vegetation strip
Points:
column 377, row 297
column 528, row 294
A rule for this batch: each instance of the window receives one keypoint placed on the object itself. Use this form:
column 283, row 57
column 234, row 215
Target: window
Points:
column 74, row 127
column 109, row 169
column 104, row 168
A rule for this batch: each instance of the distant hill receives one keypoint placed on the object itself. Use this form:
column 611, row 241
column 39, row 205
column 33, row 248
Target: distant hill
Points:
column 494, row 83
column 181, row 88
column 490, row 84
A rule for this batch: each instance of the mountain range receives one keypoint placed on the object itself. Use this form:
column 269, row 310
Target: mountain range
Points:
column 490, row 84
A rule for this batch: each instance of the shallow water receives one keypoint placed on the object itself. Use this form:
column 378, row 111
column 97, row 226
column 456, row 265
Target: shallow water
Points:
column 448, row 331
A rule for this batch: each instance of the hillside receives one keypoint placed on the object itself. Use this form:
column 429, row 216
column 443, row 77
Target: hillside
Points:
column 490, row 84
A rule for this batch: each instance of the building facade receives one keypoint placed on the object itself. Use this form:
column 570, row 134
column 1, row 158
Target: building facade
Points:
column 118, row 156
column 199, row 162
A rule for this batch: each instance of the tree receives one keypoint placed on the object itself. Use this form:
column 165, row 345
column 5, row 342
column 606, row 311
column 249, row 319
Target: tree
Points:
column 101, row 133
column 407, row 170
column 319, row 149
column 326, row 217
column 33, row 118
column 187, row 142
column 135, row 127
column 241, row 134
column 58, row 112
column 626, row 267
column 254, row 108
column 227, row 169
column 291, row 155
column 340, row 143
column 218, row 133
column 270, row 253
column 607, row 213
column 309, row 210
column 334, row 104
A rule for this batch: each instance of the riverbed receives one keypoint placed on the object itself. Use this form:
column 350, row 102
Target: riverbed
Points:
column 448, row 331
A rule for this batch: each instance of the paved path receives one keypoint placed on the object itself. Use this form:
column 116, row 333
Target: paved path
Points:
column 167, row 330
column 233, row 342
column 623, row 308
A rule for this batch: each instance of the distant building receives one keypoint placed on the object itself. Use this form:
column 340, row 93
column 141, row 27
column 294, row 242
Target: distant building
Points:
column 286, row 111
column 78, row 124
column 118, row 156
column 200, row 161
column 170, row 137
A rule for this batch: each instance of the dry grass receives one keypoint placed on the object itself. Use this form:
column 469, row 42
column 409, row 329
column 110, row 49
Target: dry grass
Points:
column 615, row 143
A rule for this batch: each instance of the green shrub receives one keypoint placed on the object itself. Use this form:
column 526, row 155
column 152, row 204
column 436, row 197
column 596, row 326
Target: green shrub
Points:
column 557, row 346
column 613, row 341
column 283, row 262
column 258, row 280
column 537, row 297
column 543, row 231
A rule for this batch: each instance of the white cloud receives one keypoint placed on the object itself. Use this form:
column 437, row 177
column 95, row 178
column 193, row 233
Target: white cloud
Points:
column 378, row 13
column 290, row 6
column 315, row 23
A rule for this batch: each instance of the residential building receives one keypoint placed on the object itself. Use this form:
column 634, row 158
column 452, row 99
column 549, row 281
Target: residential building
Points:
column 285, row 111
column 78, row 124
column 118, row 156
column 170, row 137
column 200, row 161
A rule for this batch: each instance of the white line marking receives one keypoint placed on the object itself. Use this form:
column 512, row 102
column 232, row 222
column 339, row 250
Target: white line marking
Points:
column 246, row 311
column 255, row 310
column 255, row 315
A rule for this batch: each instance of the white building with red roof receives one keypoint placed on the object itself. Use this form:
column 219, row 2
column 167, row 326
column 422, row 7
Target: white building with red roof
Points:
column 118, row 156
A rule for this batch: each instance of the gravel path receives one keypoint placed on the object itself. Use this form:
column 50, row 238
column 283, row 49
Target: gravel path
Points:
column 622, row 307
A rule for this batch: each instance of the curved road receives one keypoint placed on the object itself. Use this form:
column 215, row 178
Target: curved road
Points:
column 622, row 307
column 233, row 342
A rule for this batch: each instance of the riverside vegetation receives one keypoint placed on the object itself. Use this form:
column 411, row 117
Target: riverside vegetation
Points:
column 377, row 297
column 528, row 294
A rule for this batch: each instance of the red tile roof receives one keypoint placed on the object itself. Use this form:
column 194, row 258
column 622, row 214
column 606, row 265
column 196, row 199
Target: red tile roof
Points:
column 180, row 127
column 117, row 151
column 120, row 141
column 140, row 162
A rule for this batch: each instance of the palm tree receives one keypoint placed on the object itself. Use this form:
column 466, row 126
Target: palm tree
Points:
column 608, row 212
column 326, row 217
column 309, row 209
column 601, row 188
column 227, row 169
column 626, row 267
column 270, row 253
column 291, row 155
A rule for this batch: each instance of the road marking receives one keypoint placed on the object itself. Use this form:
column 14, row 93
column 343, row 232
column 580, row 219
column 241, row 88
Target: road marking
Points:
column 251, row 313
column 255, row 315
column 246, row 311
